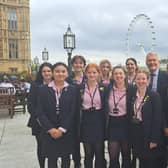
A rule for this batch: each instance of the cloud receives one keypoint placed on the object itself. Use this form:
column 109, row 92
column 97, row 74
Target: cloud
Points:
column 100, row 26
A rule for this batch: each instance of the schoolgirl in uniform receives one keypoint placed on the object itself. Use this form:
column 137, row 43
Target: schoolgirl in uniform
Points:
column 77, row 78
column 105, row 72
column 44, row 76
column 118, row 108
column 132, row 68
column 146, row 122
column 56, row 109
column 92, row 118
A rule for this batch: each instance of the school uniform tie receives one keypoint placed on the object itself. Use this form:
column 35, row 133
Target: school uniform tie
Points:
column 151, row 80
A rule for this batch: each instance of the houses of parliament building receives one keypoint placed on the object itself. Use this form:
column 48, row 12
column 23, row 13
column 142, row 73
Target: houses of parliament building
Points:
column 14, row 36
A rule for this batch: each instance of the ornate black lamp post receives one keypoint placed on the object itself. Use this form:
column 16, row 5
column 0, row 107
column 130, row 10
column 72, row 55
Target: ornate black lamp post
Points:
column 69, row 45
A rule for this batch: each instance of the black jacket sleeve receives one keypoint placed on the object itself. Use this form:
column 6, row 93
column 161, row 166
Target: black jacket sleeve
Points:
column 41, row 112
column 32, row 99
column 156, row 118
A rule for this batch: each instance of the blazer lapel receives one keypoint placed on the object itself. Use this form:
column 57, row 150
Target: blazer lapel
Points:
column 146, row 99
column 101, row 91
column 81, row 92
column 109, row 90
column 159, row 80
column 84, row 79
column 52, row 93
column 63, row 94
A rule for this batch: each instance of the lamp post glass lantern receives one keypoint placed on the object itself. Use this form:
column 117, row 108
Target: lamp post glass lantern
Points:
column 45, row 55
column 69, row 45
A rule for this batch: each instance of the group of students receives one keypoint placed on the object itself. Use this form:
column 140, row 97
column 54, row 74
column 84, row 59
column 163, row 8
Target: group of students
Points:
column 98, row 103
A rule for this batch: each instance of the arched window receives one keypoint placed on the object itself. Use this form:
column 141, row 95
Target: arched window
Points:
column 12, row 19
column 13, row 48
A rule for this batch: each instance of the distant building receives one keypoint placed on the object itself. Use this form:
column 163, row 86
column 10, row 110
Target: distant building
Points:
column 164, row 63
column 14, row 36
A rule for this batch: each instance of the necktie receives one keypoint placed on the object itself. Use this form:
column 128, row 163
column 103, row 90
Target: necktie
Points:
column 151, row 80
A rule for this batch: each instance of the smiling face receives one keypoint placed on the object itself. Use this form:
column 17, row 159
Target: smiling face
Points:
column 46, row 73
column 118, row 76
column 105, row 68
column 141, row 80
column 60, row 73
column 78, row 65
column 152, row 62
column 92, row 74
column 131, row 66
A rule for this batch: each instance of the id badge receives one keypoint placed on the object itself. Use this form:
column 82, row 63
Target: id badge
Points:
column 115, row 110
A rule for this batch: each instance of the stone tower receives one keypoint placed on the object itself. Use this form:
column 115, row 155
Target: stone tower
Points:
column 14, row 36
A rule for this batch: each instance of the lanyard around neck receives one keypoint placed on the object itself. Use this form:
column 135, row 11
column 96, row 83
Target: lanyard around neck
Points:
column 138, row 108
column 114, row 99
column 92, row 95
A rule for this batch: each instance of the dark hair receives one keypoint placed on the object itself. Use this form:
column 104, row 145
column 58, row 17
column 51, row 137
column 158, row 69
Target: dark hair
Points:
column 119, row 67
column 39, row 77
column 78, row 57
column 59, row 64
column 132, row 59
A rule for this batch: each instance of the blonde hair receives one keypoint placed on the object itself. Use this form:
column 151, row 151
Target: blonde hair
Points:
column 144, row 72
column 105, row 61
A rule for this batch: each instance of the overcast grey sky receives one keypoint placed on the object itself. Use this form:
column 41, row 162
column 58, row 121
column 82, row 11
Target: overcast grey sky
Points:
column 100, row 27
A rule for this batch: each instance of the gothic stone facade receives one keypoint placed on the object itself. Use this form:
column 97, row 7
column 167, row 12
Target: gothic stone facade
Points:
column 14, row 36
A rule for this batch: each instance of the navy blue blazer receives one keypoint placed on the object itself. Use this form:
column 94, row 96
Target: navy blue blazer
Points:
column 32, row 105
column 70, row 79
column 162, row 89
column 151, row 116
column 46, row 112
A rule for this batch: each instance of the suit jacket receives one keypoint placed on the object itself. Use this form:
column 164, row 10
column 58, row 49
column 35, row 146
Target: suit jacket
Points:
column 70, row 80
column 151, row 116
column 162, row 89
column 32, row 105
column 46, row 112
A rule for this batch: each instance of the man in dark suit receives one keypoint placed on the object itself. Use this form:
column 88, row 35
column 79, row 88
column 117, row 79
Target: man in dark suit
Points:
column 158, row 82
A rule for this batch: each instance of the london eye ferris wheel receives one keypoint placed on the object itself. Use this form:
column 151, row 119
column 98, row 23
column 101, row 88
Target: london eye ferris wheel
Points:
column 140, row 37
